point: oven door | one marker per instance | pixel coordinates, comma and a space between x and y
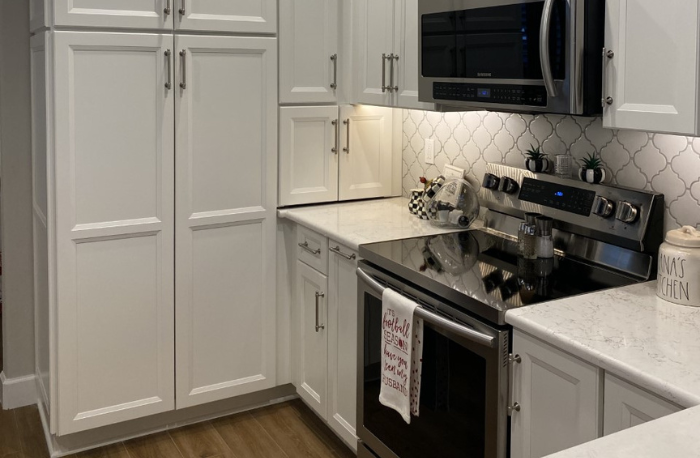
488, 53
464, 384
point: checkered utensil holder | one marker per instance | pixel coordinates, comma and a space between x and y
416, 201
433, 189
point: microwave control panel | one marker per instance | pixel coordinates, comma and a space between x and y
491, 93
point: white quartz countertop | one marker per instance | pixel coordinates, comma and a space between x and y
368, 221
633, 334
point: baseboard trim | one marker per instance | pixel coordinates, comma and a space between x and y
18, 392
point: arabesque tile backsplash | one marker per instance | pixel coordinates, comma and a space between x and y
663, 163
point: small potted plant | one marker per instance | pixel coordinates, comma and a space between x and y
536, 161
592, 170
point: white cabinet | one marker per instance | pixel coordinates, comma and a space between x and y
559, 397
309, 59
652, 74
311, 307
385, 47
627, 406
308, 155
342, 342
226, 106
329, 154
132, 14
240, 16
113, 159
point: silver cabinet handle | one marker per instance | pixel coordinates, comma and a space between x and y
337, 251
183, 78
305, 246
335, 130
384, 86
318, 297
182, 7
334, 84
167, 10
514, 408
606, 100
169, 60
346, 149
392, 59
544, 48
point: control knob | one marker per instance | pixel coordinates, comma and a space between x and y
491, 181
508, 185
603, 207
627, 212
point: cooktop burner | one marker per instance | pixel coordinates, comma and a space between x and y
481, 272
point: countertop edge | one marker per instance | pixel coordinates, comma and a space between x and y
309, 223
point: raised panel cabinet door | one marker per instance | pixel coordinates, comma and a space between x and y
366, 152
123, 14
308, 40
652, 75
342, 342
407, 65
308, 155
226, 199
627, 406
559, 400
312, 305
373, 44
114, 191
234, 16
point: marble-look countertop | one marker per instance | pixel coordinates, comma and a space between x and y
368, 221
631, 333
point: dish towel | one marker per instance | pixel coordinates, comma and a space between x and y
402, 355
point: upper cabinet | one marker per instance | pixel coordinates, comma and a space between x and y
309, 56
651, 66
240, 16
385, 48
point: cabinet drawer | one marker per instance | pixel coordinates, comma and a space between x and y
312, 249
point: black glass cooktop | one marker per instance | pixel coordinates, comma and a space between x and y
482, 273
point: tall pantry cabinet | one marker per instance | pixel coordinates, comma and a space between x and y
155, 195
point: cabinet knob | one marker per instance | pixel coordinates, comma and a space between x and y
514, 408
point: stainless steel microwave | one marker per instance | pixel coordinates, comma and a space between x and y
512, 55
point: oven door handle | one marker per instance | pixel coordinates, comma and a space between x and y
544, 48
443, 323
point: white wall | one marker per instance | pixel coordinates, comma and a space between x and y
16, 190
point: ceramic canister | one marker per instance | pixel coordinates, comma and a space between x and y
679, 267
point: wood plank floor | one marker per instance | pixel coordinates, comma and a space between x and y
288, 430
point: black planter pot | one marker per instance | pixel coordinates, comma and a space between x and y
537, 165
593, 176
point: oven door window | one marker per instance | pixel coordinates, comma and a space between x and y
453, 403
500, 42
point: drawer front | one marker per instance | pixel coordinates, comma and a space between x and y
312, 249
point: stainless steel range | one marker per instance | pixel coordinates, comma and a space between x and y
466, 281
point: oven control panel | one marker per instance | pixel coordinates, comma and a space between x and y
507, 94
558, 196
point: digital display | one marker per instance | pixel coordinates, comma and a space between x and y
484, 93
560, 197
559, 194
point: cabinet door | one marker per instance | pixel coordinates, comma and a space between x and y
373, 36
239, 16
114, 175
407, 66
309, 51
311, 305
365, 157
627, 406
653, 75
225, 216
129, 14
559, 399
308, 155
342, 342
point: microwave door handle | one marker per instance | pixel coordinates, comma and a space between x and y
544, 48
436, 320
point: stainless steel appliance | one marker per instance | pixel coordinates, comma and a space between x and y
512, 55
465, 282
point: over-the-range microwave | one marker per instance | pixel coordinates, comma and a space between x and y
512, 55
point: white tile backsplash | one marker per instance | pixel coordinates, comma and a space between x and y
663, 163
